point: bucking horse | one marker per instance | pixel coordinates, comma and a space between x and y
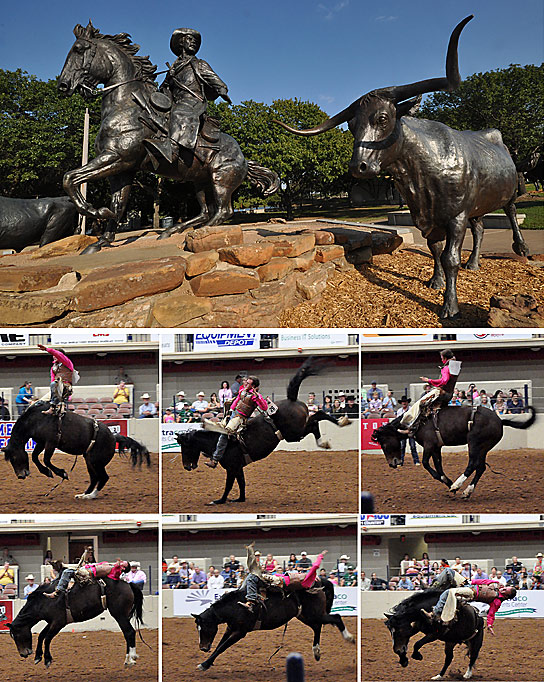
82, 602
262, 434
72, 433
313, 608
481, 429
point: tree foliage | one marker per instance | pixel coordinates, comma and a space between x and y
511, 100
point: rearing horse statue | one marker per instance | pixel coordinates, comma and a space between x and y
127, 120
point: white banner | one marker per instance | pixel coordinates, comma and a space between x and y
492, 337
190, 601
14, 338
169, 433
317, 339
225, 341
72, 338
168, 343
526, 604
394, 338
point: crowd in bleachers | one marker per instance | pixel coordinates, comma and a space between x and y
417, 574
376, 402
184, 573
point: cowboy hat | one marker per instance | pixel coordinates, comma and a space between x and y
145, 395
177, 37
405, 399
30, 577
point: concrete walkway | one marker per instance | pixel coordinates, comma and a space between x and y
495, 240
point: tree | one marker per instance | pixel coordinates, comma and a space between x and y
511, 100
305, 165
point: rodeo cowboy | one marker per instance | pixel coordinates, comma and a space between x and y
192, 83
243, 406
439, 395
63, 376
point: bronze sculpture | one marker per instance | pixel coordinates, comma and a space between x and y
35, 221
448, 178
133, 113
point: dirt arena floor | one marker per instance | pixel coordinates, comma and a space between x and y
288, 482
500, 658
247, 661
411, 489
128, 488
98, 656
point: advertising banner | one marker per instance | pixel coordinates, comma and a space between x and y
119, 427
526, 604
14, 339
493, 337
190, 601
169, 433
208, 343
5, 435
73, 338
316, 339
367, 429
6, 614
394, 338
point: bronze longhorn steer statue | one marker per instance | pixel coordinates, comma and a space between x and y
448, 178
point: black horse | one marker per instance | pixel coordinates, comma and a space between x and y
262, 435
406, 620
82, 602
454, 428
311, 608
73, 434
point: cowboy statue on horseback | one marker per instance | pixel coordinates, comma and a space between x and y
290, 581
63, 376
242, 407
191, 83
485, 590
439, 396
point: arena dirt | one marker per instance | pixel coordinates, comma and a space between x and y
288, 482
247, 661
411, 489
128, 489
97, 656
515, 653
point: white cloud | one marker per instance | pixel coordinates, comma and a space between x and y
326, 98
386, 18
329, 12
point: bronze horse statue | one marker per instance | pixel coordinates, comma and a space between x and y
128, 118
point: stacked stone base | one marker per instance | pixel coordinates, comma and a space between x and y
212, 277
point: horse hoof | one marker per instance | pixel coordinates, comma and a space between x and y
417, 656
434, 283
92, 248
214, 502
201, 666
48, 664
239, 499
64, 475
165, 235
37, 660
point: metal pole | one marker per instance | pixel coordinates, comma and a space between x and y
84, 161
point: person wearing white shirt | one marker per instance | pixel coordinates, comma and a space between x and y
216, 581
30, 587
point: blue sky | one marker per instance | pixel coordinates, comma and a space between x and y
326, 51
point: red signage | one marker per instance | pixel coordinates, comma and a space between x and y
367, 429
117, 426
6, 614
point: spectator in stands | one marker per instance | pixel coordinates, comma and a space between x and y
493, 573
258, 558
336, 407
463, 398
235, 387
48, 558
525, 583
121, 394
198, 579
184, 575
175, 563
327, 405
413, 567
426, 389
352, 409
389, 402
216, 581
214, 404
30, 586
312, 405
481, 574
377, 583
342, 400
538, 583
455, 400
322, 574
233, 563
333, 576
240, 576
404, 407
292, 561
24, 397
229, 577
304, 563
349, 578
466, 572
457, 564
7, 575
136, 576
4, 411
500, 577
365, 582
185, 416
7, 556
168, 417
172, 578
485, 402
200, 405
146, 409
405, 583
180, 400
373, 389
515, 404
538, 568
270, 564
225, 393
500, 405
515, 565
510, 577
122, 376
375, 402
435, 568
211, 569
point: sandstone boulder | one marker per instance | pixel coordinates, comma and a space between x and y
312, 283
275, 269
291, 245
32, 277
208, 238
324, 254
247, 255
224, 280
18, 309
385, 242
198, 263
520, 310
67, 246
176, 308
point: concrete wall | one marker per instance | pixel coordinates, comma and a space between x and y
340, 438
145, 431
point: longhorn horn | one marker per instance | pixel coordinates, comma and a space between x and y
345, 115
450, 82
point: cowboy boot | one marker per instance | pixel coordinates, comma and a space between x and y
52, 595
51, 410
212, 463
159, 150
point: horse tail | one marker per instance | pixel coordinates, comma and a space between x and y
138, 451
266, 180
520, 425
137, 610
311, 367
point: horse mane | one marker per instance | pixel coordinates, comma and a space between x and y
390, 427
227, 597
414, 602
145, 69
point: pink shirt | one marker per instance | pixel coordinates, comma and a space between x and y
444, 377
60, 357
256, 397
495, 604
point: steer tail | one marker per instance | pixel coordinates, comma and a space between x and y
138, 451
520, 425
311, 367
266, 180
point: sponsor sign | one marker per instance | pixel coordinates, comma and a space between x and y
394, 338
492, 337
168, 343
5, 435
73, 338
6, 614
526, 604
189, 601
315, 339
169, 433
225, 341
14, 339
119, 427
367, 429
375, 520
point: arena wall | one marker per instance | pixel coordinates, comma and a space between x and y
145, 431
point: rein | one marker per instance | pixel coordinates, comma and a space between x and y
280, 646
